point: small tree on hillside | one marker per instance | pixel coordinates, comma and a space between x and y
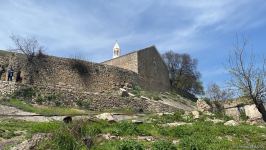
247, 77
215, 93
183, 72
31, 48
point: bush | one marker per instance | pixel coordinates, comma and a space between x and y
26, 93
83, 103
136, 90
130, 145
163, 145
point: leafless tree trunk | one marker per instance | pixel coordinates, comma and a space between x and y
247, 76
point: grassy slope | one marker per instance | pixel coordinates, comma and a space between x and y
201, 135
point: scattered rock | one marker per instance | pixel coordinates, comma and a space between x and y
130, 94
215, 120
144, 98
106, 116
261, 126
146, 138
124, 92
229, 137
252, 112
165, 113
195, 114
18, 133
176, 142
175, 124
208, 113
88, 142
203, 106
108, 136
137, 122
231, 123
31, 143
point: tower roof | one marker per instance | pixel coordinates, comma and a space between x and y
116, 46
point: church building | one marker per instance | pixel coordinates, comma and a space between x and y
147, 63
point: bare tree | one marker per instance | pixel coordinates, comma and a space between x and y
247, 77
215, 93
29, 46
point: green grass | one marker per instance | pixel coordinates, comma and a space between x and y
44, 110
10, 126
199, 135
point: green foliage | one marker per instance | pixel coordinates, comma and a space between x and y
199, 135
136, 90
184, 75
130, 145
26, 93
63, 139
243, 115
168, 118
83, 103
163, 145
127, 128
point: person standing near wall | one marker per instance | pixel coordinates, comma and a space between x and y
1, 71
10, 73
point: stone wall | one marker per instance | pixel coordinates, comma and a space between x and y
7, 88
81, 75
250, 111
129, 62
149, 65
152, 70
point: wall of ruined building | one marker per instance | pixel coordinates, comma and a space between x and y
250, 111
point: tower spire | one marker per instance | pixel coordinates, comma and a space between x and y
116, 50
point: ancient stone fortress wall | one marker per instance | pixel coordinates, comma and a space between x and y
148, 64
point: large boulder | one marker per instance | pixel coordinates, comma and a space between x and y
252, 112
195, 114
106, 116
203, 106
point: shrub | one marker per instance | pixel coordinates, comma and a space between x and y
83, 103
136, 90
163, 145
130, 145
40, 99
25, 93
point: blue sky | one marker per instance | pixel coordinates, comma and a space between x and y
204, 29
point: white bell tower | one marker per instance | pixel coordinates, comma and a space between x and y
116, 50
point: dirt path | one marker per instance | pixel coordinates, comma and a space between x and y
7, 112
